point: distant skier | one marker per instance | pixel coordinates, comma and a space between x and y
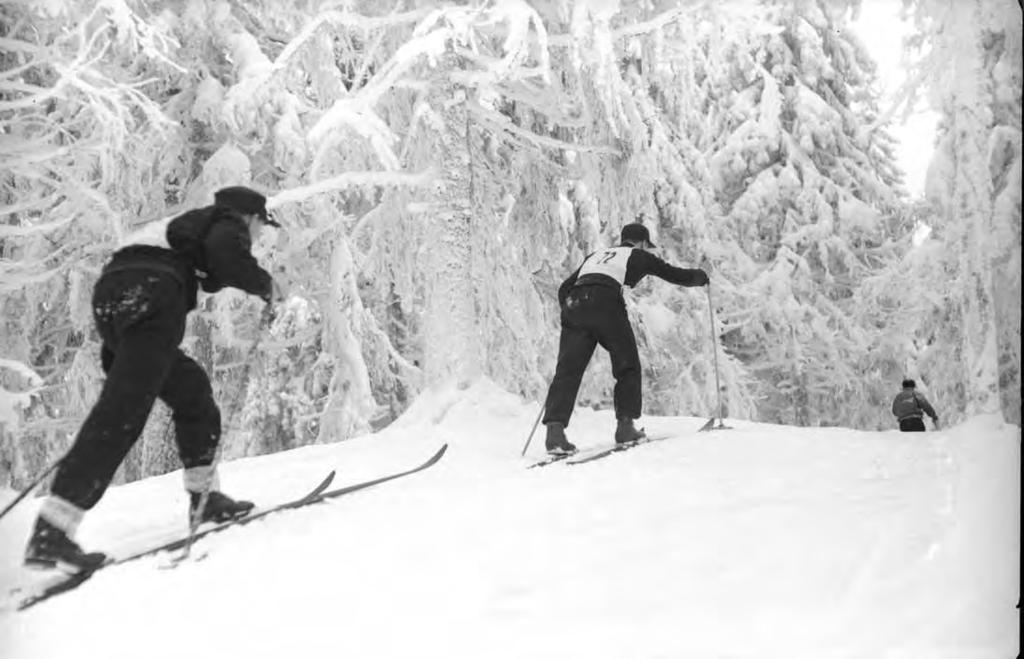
594, 313
909, 408
140, 304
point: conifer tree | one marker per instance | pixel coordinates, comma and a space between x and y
83, 143
755, 140
804, 192
439, 169
960, 307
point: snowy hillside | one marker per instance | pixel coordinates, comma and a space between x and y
761, 541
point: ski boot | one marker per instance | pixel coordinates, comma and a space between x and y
219, 507
626, 433
556, 442
49, 548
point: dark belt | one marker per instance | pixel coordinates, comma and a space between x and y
152, 266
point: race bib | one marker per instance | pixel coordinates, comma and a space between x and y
610, 262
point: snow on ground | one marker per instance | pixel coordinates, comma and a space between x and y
760, 541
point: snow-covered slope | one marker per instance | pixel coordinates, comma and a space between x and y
760, 541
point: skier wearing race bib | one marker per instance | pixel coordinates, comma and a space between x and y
140, 304
594, 313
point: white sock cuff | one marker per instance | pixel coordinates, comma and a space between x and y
63, 514
200, 479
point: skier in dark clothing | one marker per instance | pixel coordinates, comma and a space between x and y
140, 304
594, 313
909, 408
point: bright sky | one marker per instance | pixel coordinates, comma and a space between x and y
882, 31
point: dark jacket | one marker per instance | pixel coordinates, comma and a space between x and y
624, 265
210, 247
910, 404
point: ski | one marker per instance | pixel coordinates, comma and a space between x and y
562, 457
349, 489
318, 494
589, 454
550, 459
309, 498
604, 453
65, 582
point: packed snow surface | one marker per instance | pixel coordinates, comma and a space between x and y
758, 541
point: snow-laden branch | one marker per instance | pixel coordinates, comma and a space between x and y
22, 369
348, 20
357, 112
358, 116
905, 98
32, 101
656, 23
454, 27
501, 123
352, 180
432, 45
17, 45
541, 100
11, 402
659, 22
15, 231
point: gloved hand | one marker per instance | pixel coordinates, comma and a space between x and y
278, 294
273, 299
207, 282
268, 315
705, 267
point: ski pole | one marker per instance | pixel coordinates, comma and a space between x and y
32, 486
714, 346
266, 318
533, 430
710, 425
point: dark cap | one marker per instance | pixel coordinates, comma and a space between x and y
244, 200
909, 384
635, 233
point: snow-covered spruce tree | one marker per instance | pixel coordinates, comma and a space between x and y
227, 117
517, 194
322, 108
803, 193
581, 149
967, 331
406, 266
665, 60
86, 155
477, 241
267, 78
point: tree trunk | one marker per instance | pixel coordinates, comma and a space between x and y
972, 209
452, 347
351, 400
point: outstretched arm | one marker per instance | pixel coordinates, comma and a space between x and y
644, 263
230, 260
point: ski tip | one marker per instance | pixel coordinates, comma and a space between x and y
432, 460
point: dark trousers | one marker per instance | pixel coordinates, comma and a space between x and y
594, 315
912, 424
140, 315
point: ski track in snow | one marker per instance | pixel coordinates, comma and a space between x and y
760, 541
